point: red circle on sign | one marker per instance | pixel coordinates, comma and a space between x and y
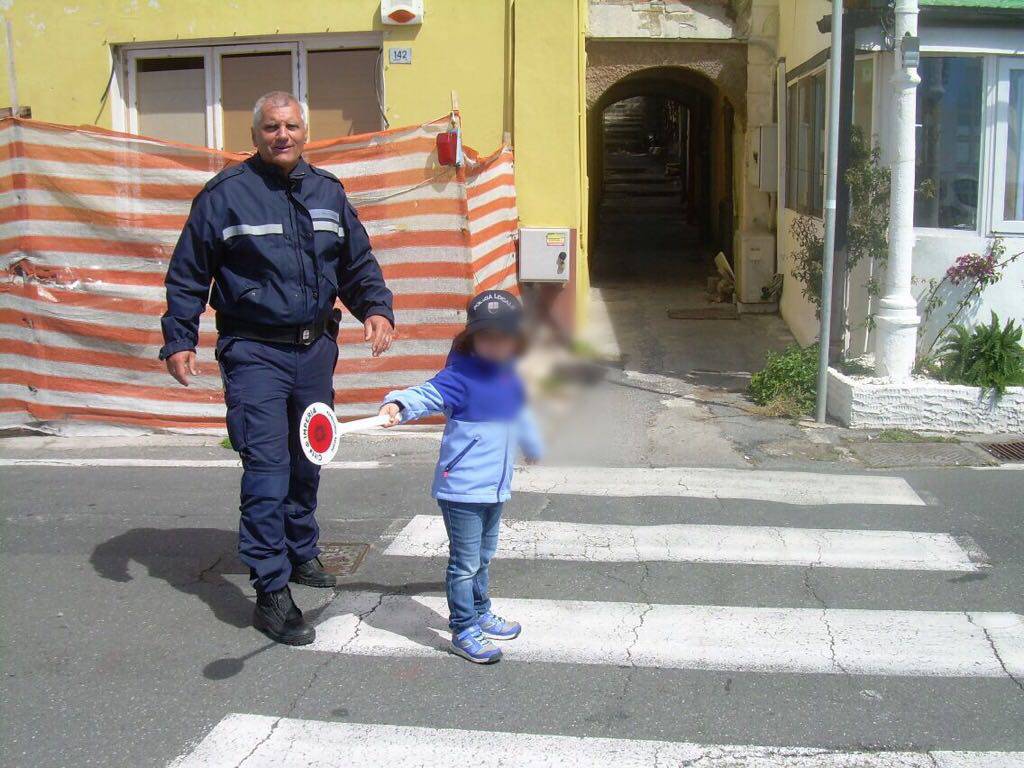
321, 433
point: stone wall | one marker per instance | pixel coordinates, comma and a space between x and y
724, 65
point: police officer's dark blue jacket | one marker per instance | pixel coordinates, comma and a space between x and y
278, 251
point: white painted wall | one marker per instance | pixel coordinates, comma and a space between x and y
935, 250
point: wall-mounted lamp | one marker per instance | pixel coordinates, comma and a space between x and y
402, 12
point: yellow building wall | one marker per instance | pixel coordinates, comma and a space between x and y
63, 51
799, 40
549, 132
63, 60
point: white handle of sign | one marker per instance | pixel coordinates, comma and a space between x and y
360, 424
319, 431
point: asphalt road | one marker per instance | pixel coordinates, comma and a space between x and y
127, 633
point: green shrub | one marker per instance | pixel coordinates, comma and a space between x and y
989, 356
788, 382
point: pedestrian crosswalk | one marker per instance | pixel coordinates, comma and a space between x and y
829, 641
801, 488
425, 536
580, 630
256, 741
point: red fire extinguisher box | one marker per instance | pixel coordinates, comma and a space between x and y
448, 148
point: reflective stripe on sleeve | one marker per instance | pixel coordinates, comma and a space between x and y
324, 213
327, 226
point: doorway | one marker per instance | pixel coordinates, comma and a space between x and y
661, 179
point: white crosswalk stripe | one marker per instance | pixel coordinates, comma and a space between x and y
257, 741
716, 483
425, 536
803, 640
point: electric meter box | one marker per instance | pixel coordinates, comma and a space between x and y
544, 254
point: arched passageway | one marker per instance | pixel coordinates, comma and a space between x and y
660, 170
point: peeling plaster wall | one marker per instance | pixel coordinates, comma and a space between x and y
666, 20
724, 64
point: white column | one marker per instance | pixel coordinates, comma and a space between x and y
897, 319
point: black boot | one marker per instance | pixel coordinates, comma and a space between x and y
312, 574
277, 617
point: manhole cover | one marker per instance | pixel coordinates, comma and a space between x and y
704, 313
1012, 452
875, 454
341, 559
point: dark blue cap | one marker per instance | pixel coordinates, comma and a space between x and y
495, 310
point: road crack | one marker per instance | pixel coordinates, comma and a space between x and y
995, 651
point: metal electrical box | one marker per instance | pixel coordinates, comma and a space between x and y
544, 254
755, 264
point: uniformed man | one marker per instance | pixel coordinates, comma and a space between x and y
279, 242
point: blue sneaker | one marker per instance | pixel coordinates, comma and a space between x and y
471, 644
497, 628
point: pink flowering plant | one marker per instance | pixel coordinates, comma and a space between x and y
974, 266
971, 273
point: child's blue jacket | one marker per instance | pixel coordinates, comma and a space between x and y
489, 422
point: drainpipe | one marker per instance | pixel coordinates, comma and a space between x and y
840, 278
831, 183
897, 319
510, 73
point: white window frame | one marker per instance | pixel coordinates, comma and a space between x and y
994, 46
131, 109
981, 218
1000, 223
125, 116
822, 71
219, 52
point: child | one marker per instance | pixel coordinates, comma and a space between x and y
488, 422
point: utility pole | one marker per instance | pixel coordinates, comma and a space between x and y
831, 182
897, 319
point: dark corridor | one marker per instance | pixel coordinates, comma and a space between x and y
661, 202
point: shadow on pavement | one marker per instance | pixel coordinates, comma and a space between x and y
189, 559
418, 623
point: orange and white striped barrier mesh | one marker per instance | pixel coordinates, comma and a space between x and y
88, 221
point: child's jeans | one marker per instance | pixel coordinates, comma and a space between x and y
473, 539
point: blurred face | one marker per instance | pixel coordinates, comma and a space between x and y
495, 346
280, 135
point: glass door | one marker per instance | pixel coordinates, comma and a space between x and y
1009, 172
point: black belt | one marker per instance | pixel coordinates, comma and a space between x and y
303, 335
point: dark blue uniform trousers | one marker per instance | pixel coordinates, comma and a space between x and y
267, 387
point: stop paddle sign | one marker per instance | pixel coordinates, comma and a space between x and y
319, 431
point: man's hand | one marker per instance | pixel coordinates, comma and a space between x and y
181, 365
393, 412
380, 333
